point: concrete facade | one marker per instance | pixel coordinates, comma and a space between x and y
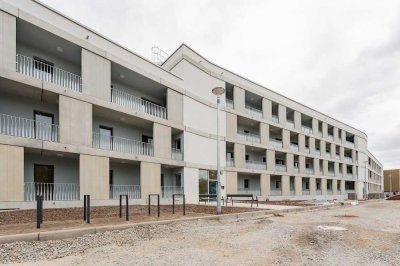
11, 173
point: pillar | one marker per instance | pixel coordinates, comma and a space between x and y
336, 134
174, 106
334, 186
289, 162
162, 141
11, 173
231, 182
316, 166
265, 183
313, 186
322, 148
302, 143
264, 133
231, 126
285, 138
315, 125
239, 151
312, 145
150, 179
285, 185
324, 129
325, 167
298, 183
342, 187
8, 41
94, 177
282, 114
267, 109
333, 151
324, 182
302, 164
341, 151
297, 120
270, 160
239, 99
336, 167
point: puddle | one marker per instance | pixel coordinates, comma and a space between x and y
332, 228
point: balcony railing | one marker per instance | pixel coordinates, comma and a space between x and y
317, 152
106, 142
275, 119
348, 159
28, 128
319, 133
51, 191
176, 154
168, 191
309, 171
331, 173
248, 137
307, 150
296, 169
258, 165
328, 154
230, 162
229, 103
330, 137
276, 192
275, 143
294, 147
318, 192
133, 191
348, 143
254, 112
306, 129
337, 156
254, 192
132, 102
290, 124
280, 168
46, 72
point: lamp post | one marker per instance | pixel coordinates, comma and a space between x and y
218, 91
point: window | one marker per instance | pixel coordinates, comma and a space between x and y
296, 164
43, 173
307, 185
177, 144
229, 155
178, 181
111, 177
247, 157
246, 131
246, 183
278, 184
162, 180
264, 160
318, 186
147, 139
328, 186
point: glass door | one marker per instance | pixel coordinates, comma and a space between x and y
44, 181
106, 138
44, 126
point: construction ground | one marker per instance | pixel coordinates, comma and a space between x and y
365, 234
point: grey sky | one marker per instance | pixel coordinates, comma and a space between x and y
339, 57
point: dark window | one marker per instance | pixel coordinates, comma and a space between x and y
44, 125
178, 181
147, 139
264, 159
307, 185
328, 186
43, 173
246, 131
247, 157
162, 180
246, 183
111, 177
318, 185
278, 184
177, 144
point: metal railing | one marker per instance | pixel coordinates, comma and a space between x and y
255, 192
230, 162
51, 191
350, 143
317, 152
132, 102
106, 142
328, 154
28, 128
331, 173
296, 169
248, 137
306, 192
46, 72
276, 192
329, 192
229, 103
348, 175
309, 171
275, 119
275, 143
306, 129
290, 124
133, 191
294, 147
254, 112
348, 159
280, 168
258, 165
176, 154
168, 191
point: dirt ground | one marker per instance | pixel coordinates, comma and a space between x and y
366, 234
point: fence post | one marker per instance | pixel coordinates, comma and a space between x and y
184, 205
127, 208
173, 204
39, 211
158, 204
149, 204
120, 206
86, 208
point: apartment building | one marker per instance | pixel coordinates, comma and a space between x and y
392, 180
80, 114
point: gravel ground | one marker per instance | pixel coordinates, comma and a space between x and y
367, 234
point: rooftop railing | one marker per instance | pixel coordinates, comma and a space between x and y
28, 128
254, 112
176, 154
132, 102
106, 142
46, 72
133, 191
51, 191
248, 137
258, 165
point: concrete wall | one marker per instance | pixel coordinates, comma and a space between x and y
8, 37
191, 184
150, 179
231, 126
96, 75
254, 181
239, 99
202, 150
239, 151
125, 173
231, 182
11, 173
94, 176
174, 106
162, 141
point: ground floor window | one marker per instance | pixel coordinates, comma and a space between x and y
207, 182
246, 183
278, 184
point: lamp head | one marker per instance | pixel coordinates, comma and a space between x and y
218, 91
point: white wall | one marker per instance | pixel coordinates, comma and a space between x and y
191, 187
202, 150
254, 181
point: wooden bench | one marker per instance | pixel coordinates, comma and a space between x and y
242, 197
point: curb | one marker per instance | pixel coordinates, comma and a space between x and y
72, 233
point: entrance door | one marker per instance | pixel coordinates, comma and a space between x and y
212, 187
44, 126
44, 181
106, 134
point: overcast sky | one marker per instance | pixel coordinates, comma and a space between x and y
340, 57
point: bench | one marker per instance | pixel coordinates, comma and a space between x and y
208, 197
242, 197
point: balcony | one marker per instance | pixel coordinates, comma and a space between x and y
351, 144
229, 103
337, 157
133, 191
319, 133
331, 173
254, 112
328, 154
46, 72
306, 192
106, 142
348, 159
296, 169
176, 154
290, 124
318, 192
309, 171
248, 137
276, 192
258, 165
307, 150
318, 152
168, 191
280, 168
135, 103
230, 162
275, 143
294, 147
348, 175
254, 192
307, 130
51, 191
330, 137
275, 119
27, 128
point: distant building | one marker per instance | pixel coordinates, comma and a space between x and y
392, 180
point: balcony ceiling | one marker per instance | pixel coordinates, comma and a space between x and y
121, 117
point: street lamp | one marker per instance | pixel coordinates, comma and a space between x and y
218, 91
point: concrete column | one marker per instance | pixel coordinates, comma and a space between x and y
94, 177
342, 187
336, 169
239, 151
333, 151
325, 167
297, 120
313, 186
354, 156
336, 134
191, 184
265, 183
354, 171
343, 136
341, 151
302, 143
324, 129
302, 164
8, 41
316, 166
231, 182
324, 182
174, 106
289, 162
162, 141
150, 179
96, 75
75, 122
11, 172
322, 148
264, 133
344, 169
231, 126
285, 185
286, 138
315, 125
282, 114
334, 187
267, 109
270, 160
312, 145
356, 141
298, 183
239, 99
